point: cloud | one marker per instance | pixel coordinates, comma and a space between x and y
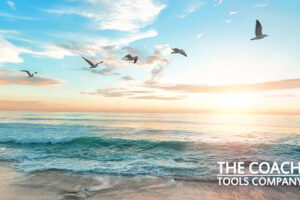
159, 97
218, 2
196, 5
155, 73
233, 13
127, 78
9, 32
108, 71
130, 15
154, 61
12, 77
228, 21
157, 61
109, 49
11, 4
261, 5
116, 92
199, 36
53, 51
20, 103
163, 49
16, 17
237, 88
131, 94
11, 53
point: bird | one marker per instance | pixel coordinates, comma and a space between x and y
130, 57
258, 32
29, 74
181, 51
92, 65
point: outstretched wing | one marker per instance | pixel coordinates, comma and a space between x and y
99, 62
128, 56
26, 72
135, 59
175, 50
258, 28
90, 63
183, 53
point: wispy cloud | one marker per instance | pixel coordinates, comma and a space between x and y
11, 4
195, 5
127, 78
130, 15
199, 36
165, 98
9, 32
106, 47
6, 15
11, 53
116, 92
108, 71
12, 77
20, 103
233, 13
218, 2
228, 21
238, 88
132, 94
262, 4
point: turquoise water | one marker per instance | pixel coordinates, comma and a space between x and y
144, 144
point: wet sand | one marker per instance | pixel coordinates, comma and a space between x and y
63, 185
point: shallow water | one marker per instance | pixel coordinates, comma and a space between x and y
163, 145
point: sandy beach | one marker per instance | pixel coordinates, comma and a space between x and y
63, 185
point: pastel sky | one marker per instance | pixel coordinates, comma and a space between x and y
224, 70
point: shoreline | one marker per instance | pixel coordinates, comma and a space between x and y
65, 185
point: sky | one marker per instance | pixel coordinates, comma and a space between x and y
223, 72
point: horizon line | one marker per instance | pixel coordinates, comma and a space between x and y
158, 112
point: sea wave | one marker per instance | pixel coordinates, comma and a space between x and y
34, 140
96, 141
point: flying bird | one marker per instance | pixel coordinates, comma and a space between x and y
258, 32
92, 65
29, 74
181, 51
130, 57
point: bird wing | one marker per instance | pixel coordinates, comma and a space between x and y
90, 63
258, 28
99, 62
127, 56
26, 72
183, 53
135, 59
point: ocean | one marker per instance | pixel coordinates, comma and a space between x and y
170, 146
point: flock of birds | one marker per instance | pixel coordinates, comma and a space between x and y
258, 35
129, 57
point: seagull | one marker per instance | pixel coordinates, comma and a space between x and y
92, 65
258, 32
29, 74
181, 51
130, 57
